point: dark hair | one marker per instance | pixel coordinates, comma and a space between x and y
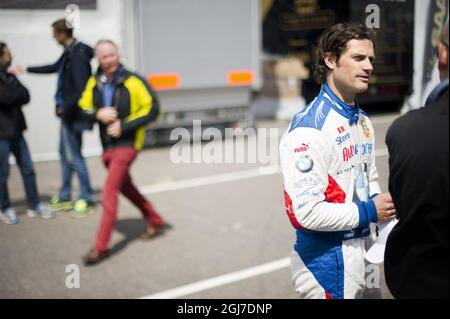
334, 41
60, 26
2, 48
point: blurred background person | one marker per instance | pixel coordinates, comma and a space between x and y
74, 69
417, 249
123, 103
13, 95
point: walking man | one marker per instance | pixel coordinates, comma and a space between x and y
122, 103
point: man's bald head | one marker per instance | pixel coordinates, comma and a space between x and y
108, 57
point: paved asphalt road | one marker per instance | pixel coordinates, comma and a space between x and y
230, 237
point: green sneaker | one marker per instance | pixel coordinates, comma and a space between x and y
82, 208
58, 205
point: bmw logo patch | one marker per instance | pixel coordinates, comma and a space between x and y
305, 164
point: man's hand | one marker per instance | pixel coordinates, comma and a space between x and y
59, 111
107, 115
385, 207
114, 129
17, 70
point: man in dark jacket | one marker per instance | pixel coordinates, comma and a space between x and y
74, 69
417, 249
12, 124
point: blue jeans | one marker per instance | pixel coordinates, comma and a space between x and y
72, 160
19, 148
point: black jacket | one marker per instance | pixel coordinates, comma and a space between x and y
76, 72
12, 96
136, 102
417, 250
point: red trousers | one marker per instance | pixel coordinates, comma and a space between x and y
118, 161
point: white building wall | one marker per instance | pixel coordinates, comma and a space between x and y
28, 34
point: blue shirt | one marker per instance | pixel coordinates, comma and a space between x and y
108, 89
108, 93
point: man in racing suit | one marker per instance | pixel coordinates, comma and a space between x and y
328, 163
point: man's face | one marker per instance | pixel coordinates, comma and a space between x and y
6, 58
108, 58
350, 74
60, 37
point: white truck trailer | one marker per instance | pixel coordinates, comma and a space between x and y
203, 59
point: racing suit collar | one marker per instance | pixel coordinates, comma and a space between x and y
351, 113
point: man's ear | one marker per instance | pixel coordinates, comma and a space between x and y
330, 61
442, 57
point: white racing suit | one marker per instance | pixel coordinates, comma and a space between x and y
328, 164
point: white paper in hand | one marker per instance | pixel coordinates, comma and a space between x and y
375, 254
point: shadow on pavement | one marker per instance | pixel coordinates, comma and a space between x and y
22, 204
132, 229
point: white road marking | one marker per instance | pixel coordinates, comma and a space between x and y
220, 178
231, 277
209, 180
221, 280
